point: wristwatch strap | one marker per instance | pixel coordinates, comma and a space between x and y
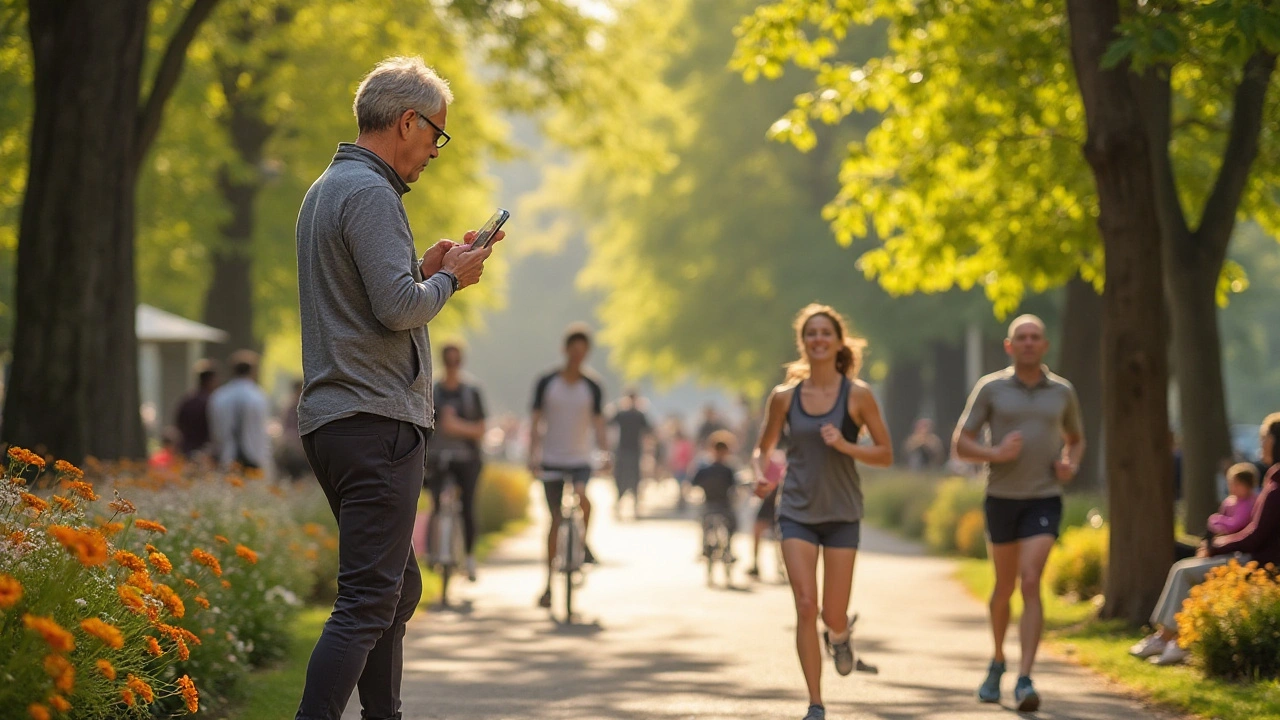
453, 279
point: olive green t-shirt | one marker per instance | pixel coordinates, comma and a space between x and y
1041, 412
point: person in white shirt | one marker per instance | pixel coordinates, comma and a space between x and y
238, 413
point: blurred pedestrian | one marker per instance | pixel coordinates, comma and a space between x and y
192, 417
238, 413
633, 429
454, 449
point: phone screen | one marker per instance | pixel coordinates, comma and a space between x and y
491, 228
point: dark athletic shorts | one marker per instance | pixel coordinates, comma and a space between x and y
1010, 520
554, 488
827, 534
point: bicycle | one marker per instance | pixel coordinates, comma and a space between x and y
571, 549
446, 540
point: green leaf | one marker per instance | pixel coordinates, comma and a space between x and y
1119, 51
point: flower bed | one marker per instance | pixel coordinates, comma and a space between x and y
139, 593
1231, 623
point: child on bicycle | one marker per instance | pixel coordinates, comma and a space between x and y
719, 485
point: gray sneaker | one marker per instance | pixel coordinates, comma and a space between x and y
842, 652
1026, 696
816, 712
989, 690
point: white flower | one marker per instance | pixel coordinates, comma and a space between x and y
82, 602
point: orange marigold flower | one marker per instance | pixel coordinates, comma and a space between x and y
26, 457
126, 559
222, 539
126, 695
153, 647
161, 562
131, 598
62, 671
64, 503
202, 602
150, 526
106, 668
69, 470
89, 547
59, 703
150, 548
83, 490
17, 536
246, 554
34, 503
110, 528
122, 506
38, 711
189, 693
184, 653
226, 584
313, 529
141, 580
107, 633
191, 583
53, 633
170, 599
235, 481
195, 514
208, 560
10, 591
141, 688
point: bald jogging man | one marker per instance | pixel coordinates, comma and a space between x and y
1037, 440
366, 412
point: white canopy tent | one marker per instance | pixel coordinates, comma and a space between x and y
168, 348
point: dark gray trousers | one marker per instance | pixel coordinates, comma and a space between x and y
370, 468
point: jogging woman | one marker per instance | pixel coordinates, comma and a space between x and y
824, 408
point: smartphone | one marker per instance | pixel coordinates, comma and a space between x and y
491, 228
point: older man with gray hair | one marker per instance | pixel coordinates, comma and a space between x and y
365, 410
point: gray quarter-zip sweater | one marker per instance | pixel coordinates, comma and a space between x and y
365, 306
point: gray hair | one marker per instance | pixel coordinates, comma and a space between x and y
395, 85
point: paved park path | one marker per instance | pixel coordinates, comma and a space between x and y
654, 642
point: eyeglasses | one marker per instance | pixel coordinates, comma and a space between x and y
442, 138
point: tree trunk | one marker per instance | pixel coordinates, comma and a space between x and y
1134, 348
229, 301
1197, 364
903, 392
74, 381
1081, 363
949, 391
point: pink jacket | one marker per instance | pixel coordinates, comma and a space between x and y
1233, 516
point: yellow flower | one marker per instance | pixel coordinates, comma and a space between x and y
202, 602
107, 633
150, 526
189, 693
34, 503
161, 562
246, 554
38, 711
191, 583
126, 559
25, 457
184, 653
131, 598
110, 528
141, 688
208, 560
63, 503
10, 591
141, 580
106, 668
53, 633
153, 647
62, 672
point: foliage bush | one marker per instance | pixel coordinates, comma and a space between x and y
953, 499
502, 496
1078, 565
116, 595
971, 534
897, 501
1231, 622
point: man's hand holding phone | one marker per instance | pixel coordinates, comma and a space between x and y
467, 263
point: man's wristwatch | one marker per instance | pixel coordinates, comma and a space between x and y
453, 279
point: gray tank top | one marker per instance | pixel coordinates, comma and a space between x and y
822, 484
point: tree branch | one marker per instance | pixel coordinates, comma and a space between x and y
1219, 216
167, 75
1155, 94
